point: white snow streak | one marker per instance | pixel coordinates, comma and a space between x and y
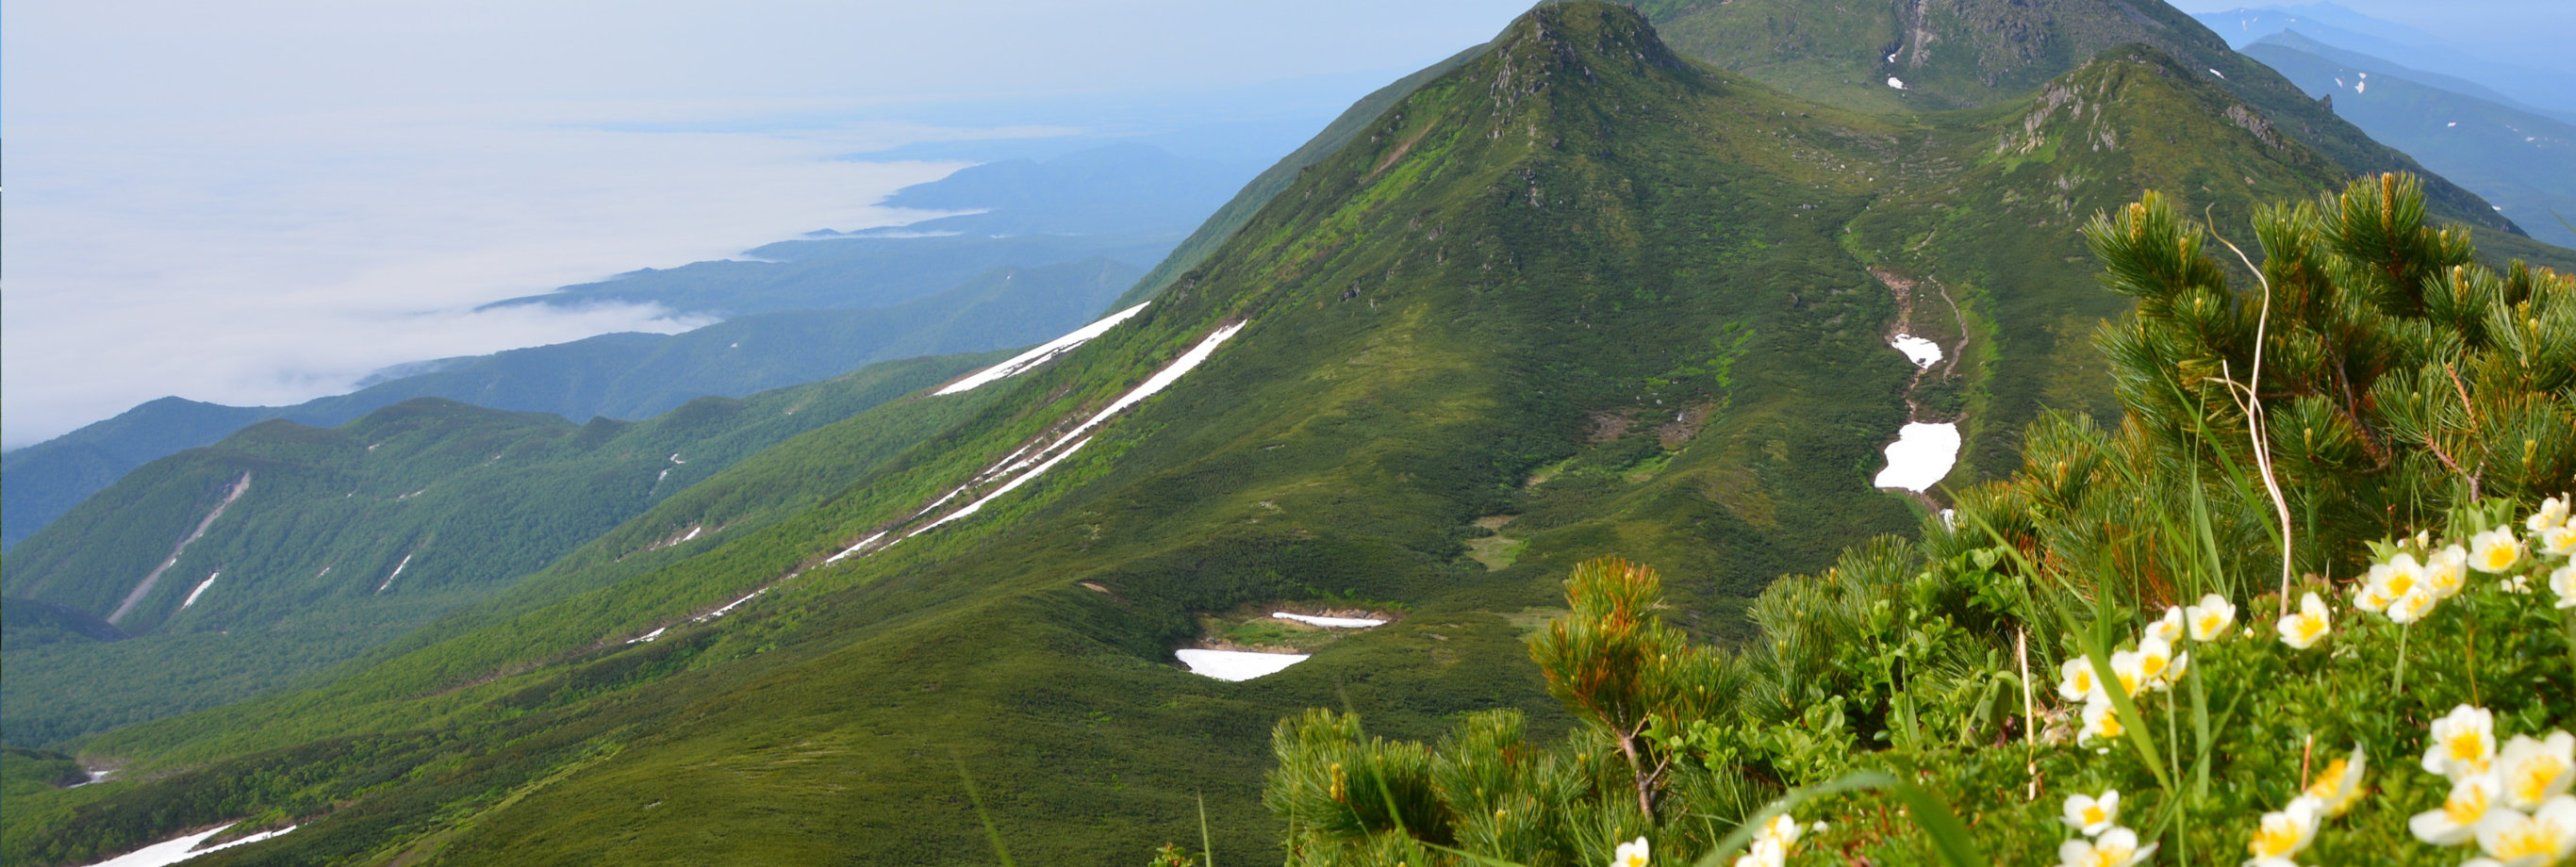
1334, 622
1045, 352
1014, 483
1895, 82
1920, 456
1236, 664
648, 636
398, 567
175, 851
729, 606
200, 591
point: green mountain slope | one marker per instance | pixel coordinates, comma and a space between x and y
2523, 161
1574, 295
287, 548
1964, 53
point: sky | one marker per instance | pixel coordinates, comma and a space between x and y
261, 202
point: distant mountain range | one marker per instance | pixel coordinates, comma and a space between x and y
2522, 160
2460, 69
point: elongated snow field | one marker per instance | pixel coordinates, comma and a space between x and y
1236, 664
1045, 352
1920, 456
1331, 622
177, 850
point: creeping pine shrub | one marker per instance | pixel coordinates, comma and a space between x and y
2310, 603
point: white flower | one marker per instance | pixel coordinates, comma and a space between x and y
2495, 550
1785, 829
2209, 619
2463, 743
2092, 815
2130, 667
2558, 541
2563, 580
2155, 662
2284, 834
2338, 784
2101, 720
2168, 628
2388, 581
2412, 606
2530, 772
2117, 847
2457, 821
2552, 513
2075, 679
2303, 628
1631, 854
2511, 839
1766, 852
2174, 670
2447, 571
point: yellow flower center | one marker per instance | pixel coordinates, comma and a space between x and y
2466, 806
2209, 624
2110, 856
2275, 839
2328, 781
2531, 780
2310, 626
2399, 582
2466, 746
2524, 839
2093, 814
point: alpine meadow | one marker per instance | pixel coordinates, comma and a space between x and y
1495, 481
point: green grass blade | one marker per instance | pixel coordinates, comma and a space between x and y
991, 834
1950, 838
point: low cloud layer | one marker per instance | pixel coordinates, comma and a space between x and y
285, 257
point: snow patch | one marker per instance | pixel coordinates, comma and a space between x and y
1895, 82
1924, 353
648, 636
1333, 622
183, 848
845, 552
1045, 352
1236, 664
1920, 456
2360, 86
666, 473
1014, 483
729, 606
398, 567
2218, 73
200, 591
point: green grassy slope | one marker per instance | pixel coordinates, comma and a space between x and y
301, 571
1576, 295
1966, 53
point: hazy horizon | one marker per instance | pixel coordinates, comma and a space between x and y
263, 203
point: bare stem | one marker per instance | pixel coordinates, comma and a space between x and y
2254, 423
